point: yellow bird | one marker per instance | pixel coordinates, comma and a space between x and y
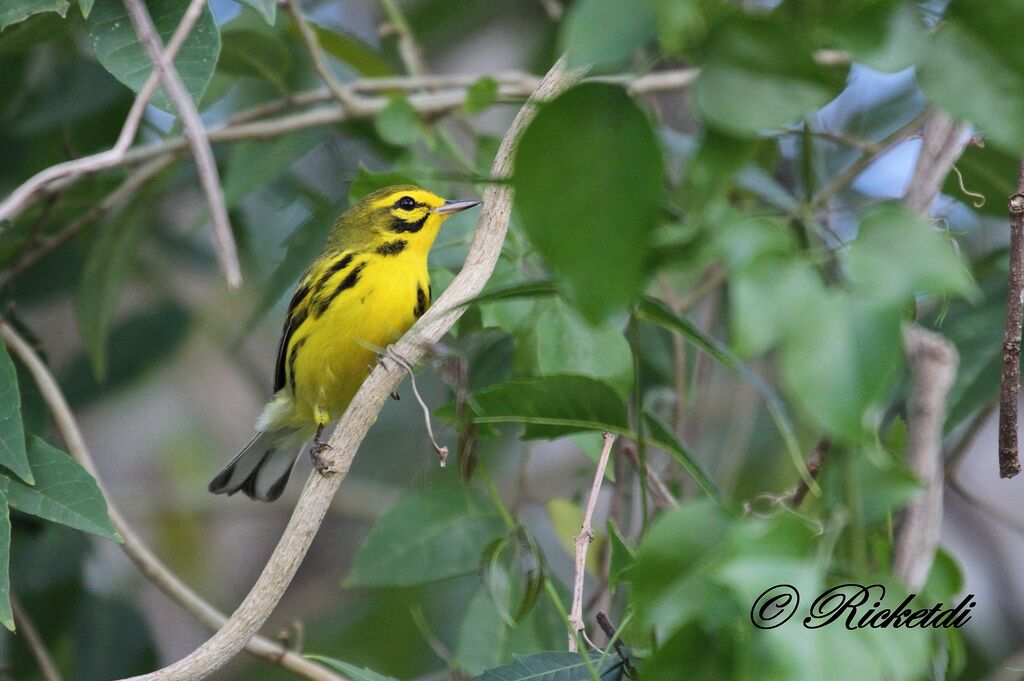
364, 291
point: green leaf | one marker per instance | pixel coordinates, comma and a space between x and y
266, 8
64, 492
353, 672
839, 369
897, 255
556, 667
6, 614
553, 406
430, 534
85, 6
106, 270
398, 123
595, 229
256, 163
481, 95
558, 341
13, 455
254, 53
513, 572
351, 51
517, 291
662, 437
887, 35
623, 555
977, 333
119, 51
683, 23
759, 61
600, 33
656, 312
14, 11
974, 68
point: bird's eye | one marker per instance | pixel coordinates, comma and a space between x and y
406, 203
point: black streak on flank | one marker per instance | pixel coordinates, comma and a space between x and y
392, 247
320, 306
291, 361
399, 225
339, 265
421, 303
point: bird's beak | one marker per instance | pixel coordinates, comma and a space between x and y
450, 207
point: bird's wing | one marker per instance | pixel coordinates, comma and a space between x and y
292, 321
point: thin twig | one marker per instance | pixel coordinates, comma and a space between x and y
21, 197
661, 496
26, 629
583, 540
1009, 380
933, 363
362, 412
338, 91
206, 165
408, 50
442, 452
133, 546
814, 463
609, 630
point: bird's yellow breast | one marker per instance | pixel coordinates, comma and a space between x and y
348, 322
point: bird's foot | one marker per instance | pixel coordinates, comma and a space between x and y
316, 454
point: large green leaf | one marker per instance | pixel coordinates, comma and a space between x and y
352, 52
974, 68
353, 672
13, 455
887, 35
589, 199
120, 52
14, 11
255, 53
107, 267
757, 75
683, 23
266, 8
64, 492
486, 640
598, 32
433, 533
558, 341
256, 163
557, 667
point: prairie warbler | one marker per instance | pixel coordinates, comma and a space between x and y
364, 291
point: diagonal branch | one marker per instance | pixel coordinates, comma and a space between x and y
140, 554
341, 93
223, 239
20, 198
362, 412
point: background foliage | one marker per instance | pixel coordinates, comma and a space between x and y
716, 272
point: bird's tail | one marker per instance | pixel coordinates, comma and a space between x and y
261, 469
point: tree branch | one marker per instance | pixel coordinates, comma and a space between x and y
583, 540
1009, 380
140, 554
21, 197
338, 91
362, 411
206, 165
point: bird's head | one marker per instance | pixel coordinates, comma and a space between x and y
402, 213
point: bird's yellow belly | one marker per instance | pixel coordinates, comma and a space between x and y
341, 348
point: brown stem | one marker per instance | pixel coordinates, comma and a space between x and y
1009, 456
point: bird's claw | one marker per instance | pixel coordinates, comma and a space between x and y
319, 463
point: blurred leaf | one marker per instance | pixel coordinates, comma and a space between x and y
887, 484
259, 54
256, 163
740, 239
658, 313
13, 11
481, 95
107, 266
682, 23
973, 68
840, 367
759, 60
13, 455
887, 35
352, 51
119, 51
556, 667
662, 437
351, 671
64, 492
513, 573
599, 33
622, 555
111, 640
398, 123
553, 406
558, 341
430, 534
521, 290
896, 255
611, 204
368, 181
36, 29
6, 615
977, 333
266, 8
946, 579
